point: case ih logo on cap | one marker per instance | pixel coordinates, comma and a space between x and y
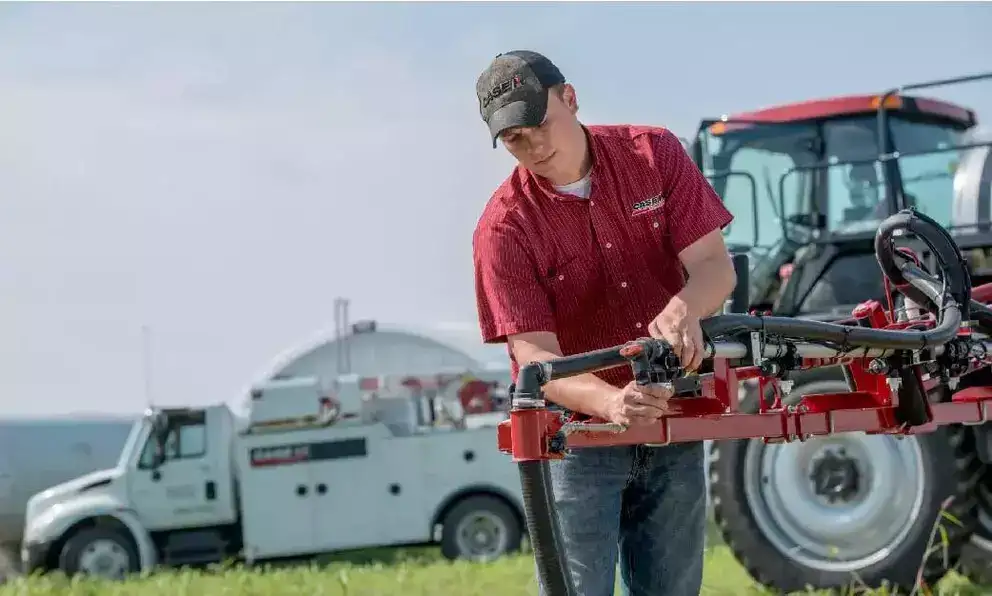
647, 205
500, 89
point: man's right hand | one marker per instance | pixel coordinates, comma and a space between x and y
635, 404
584, 394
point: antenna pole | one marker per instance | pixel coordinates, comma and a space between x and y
337, 334
347, 335
146, 363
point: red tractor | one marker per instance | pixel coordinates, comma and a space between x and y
809, 185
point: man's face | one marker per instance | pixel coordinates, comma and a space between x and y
552, 147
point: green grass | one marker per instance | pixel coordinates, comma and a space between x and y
382, 572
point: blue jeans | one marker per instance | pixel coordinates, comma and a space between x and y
645, 506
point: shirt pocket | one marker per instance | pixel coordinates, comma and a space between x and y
649, 233
574, 286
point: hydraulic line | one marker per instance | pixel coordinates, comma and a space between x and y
951, 299
542, 528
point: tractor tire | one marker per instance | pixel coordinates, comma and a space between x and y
976, 556
846, 510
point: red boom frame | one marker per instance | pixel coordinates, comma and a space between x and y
539, 433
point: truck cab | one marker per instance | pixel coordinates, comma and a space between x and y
174, 475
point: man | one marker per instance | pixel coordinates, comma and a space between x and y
582, 247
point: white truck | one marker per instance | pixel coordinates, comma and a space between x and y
312, 471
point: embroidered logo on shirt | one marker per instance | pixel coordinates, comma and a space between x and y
648, 205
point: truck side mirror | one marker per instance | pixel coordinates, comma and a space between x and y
159, 457
160, 424
160, 434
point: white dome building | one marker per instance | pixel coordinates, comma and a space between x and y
369, 350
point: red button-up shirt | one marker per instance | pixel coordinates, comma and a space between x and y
594, 271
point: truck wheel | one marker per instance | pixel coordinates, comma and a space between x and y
846, 510
976, 556
480, 528
103, 552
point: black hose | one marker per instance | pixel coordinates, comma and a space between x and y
951, 299
556, 529
542, 528
844, 335
949, 258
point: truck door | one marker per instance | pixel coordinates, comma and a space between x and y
190, 485
278, 500
350, 494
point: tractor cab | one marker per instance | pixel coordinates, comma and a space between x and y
809, 183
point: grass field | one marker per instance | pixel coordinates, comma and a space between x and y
392, 572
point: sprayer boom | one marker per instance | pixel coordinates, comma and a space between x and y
904, 371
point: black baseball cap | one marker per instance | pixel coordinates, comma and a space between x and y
513, 90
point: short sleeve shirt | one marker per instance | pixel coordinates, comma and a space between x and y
595, 271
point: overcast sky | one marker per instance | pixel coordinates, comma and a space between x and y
221, 172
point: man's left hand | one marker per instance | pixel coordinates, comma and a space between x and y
680, 328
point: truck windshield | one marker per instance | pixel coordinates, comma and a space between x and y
132, 443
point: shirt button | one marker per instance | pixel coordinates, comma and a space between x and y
609, 245
561, 277
638, 325
656, 224
591, 203
623, 284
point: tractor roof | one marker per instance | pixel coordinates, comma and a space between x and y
851, 105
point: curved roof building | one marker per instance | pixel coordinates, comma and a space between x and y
370, 350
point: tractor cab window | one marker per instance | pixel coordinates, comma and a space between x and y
185, 437
928, 178
856, 193
759, 172
856, 200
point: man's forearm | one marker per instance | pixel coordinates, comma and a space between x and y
709, 285
585, 393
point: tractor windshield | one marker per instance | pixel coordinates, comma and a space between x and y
761, 173
789, 184
748, 168
855, 193
803, 179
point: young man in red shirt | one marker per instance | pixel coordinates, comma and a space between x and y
582, 247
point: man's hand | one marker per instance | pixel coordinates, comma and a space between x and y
711, 280
635, 405
677, 325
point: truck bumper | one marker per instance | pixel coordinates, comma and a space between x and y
33, 556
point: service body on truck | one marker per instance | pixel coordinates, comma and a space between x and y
308, 475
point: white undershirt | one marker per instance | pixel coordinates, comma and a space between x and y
579, 188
